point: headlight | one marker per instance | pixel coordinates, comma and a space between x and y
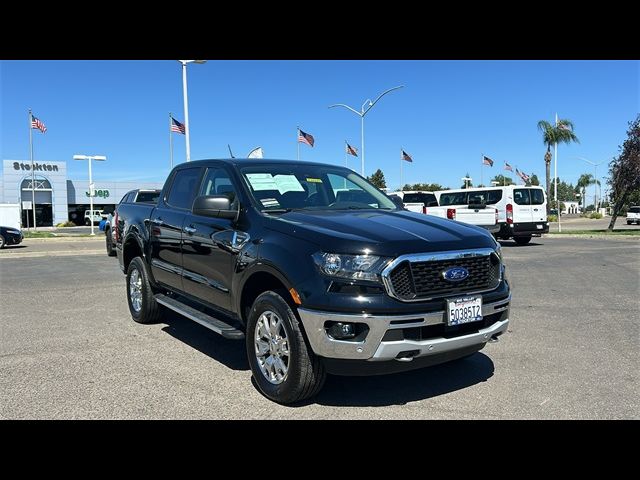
14, 232
354, 267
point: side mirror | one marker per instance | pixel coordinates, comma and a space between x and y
218, 206
397, 201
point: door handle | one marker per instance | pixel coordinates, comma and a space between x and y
157, 221
190, 230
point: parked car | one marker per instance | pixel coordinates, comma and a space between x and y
313, 276
10, 236
134, 196
633, 215
474, 213
96, 217
522, 211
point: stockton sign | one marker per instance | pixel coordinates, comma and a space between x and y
42, 167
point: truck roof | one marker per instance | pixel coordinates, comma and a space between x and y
248, 162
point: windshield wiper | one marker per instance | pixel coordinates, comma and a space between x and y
276, 210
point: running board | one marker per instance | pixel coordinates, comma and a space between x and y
212, 323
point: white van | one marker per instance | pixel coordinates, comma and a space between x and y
522, 211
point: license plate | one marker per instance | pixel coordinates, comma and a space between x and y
539, 227
464, 310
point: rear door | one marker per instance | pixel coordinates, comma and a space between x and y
522, 212
166, 227
538, 205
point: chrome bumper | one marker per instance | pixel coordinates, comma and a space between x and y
372, 348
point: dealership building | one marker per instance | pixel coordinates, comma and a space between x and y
58, 199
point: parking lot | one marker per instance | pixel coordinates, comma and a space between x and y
70, 349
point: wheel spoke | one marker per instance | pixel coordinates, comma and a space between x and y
262, 347
272, 347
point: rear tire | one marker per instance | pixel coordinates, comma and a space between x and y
1, 241
522, 240
142, 305
272, 319
110, 250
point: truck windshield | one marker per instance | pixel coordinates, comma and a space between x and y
278, 187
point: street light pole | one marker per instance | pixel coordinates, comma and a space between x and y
100, 158
186, 103
362, 114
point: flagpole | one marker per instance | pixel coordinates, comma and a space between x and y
481, 169
401, 184
345, 163
33, 177
170, 144
298, 142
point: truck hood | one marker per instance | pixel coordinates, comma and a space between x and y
387, 233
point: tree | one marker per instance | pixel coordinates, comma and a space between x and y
566, 191
378, 179
423, 187
502, 180
624, 171
562, 132
584, 181
533, 180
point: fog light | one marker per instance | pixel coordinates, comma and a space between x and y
340, 330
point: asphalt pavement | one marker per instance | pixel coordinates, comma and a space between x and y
70, 350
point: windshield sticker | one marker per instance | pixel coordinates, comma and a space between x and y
314, 180
269, 202
261, 181
288, 183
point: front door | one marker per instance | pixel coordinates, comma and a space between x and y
210, 245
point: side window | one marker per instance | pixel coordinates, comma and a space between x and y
184, 188
537, 197
123, 199
494, 196
131, 197
217, 181
521, 196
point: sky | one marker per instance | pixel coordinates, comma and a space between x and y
447, 115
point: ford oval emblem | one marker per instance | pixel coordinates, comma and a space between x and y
455, 274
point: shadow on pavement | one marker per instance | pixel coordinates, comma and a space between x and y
402, 388
511, 243
230, 353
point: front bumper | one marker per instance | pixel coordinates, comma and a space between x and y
373, 348
13, 239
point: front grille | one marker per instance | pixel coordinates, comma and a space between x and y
423, 279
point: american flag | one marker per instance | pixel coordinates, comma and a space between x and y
563, 126
36, 123
487, 161
352, 150
305, 138
176, 126
508, 167
522, 175
406, 156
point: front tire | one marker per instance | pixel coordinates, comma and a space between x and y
1, 242
522, 240
110, 250
284, 367
142, 305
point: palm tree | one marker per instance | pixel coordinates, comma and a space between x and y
584, 181
562, 132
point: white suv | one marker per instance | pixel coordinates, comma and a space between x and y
96, 217
633, 215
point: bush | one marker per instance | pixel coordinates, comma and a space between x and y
595, 215
552, 218
68, 223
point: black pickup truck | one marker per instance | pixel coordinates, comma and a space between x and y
316, 269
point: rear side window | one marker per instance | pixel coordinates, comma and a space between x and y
129, 197
148, 197
493, 196
184, 188
454, 198
428, 199
521, 196
634, 210
537, 197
